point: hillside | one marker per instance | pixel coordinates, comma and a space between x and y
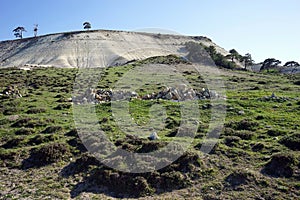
100, 48
114, 114
42, 155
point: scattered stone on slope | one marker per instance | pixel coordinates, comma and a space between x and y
179, 93
11, 91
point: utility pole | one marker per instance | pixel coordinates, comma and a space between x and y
35, 29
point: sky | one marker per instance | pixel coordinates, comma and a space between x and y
263, 28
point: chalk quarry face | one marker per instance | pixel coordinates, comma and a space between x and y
93, 49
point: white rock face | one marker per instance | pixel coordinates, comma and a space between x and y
86, 49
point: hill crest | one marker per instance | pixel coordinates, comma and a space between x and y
96, 48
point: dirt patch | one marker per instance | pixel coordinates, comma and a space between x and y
22, 122
257, 147
244, 124
280, 165
150, 146
232, 141
239, 177
45, 155
36, 110
52, 129
178, 175
25, 131
291, 141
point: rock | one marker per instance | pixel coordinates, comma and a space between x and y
273, 95
241, 112
153, 136
12, 91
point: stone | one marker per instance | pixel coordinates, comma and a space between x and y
241, 112
153, 136
273, 95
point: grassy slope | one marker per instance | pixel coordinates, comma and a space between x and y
235, 170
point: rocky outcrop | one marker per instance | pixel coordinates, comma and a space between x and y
179, 93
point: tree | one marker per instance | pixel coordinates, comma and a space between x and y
247, 59
211, 50
291, 64
35, 29
270, 63
87, 25
234, 55
18, 32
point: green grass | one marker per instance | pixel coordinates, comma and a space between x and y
43, 116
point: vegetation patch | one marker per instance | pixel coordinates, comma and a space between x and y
38, 133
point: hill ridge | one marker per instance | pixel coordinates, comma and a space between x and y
95, 48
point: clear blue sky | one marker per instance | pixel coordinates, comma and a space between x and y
264, 28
